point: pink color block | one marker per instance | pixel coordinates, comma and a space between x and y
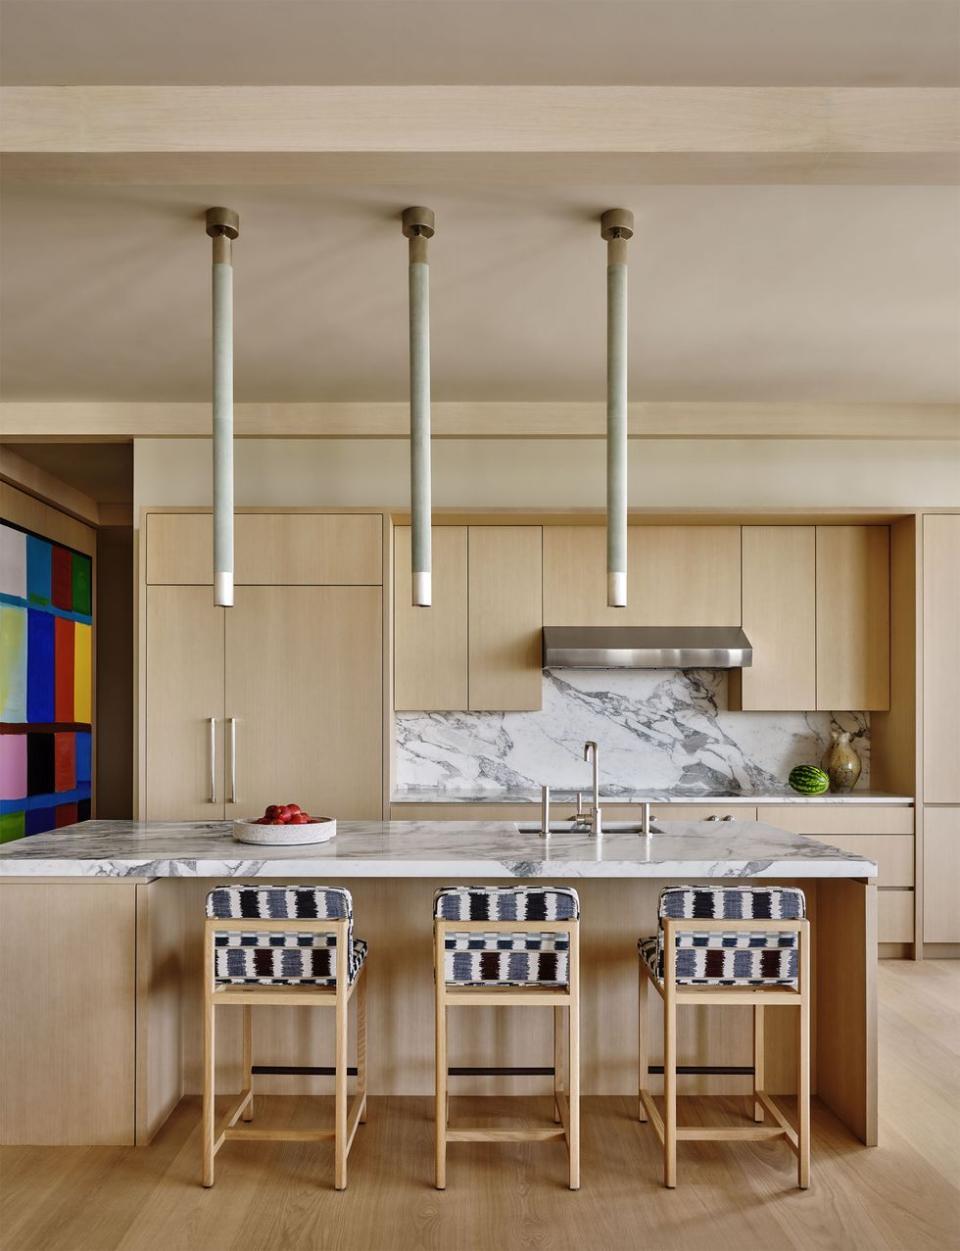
13, 766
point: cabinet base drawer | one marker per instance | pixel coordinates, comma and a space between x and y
895, 916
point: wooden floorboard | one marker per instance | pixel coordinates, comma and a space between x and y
904, 1194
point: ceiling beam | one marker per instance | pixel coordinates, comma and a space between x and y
30, 421
425, 119
45, 486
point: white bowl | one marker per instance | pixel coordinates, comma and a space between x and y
285, 835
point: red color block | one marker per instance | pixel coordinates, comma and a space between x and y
66, 815
62, 578
65, 761
63, 678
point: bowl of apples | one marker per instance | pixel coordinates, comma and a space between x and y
285, 825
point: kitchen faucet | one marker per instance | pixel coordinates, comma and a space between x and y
592, 752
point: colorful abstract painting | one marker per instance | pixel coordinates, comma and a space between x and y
46, 684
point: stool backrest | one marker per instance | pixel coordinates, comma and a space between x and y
531, 905
280, 903
732, 903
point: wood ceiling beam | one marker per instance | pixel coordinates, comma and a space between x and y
426, 119
28, 421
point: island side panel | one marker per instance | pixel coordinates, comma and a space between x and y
67, 1013
846, 1020
159, 1017
394, 916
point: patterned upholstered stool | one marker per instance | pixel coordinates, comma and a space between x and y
728, 945
290, 945
513, 946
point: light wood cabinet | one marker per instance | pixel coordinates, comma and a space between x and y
853, 617
505, 618
779, 619
678, 575
941, 658
941, 875
303, 691
184, 696
271, 549
430, 644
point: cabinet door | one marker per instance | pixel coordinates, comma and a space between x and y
184, 692
180, 549
941, 658
309, 549
853, 617
678, 575
941, 875
304, 699
780, 620
430, 644
505, 618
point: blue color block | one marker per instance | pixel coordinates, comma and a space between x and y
40, 653
83, 758
39, 820
39, 570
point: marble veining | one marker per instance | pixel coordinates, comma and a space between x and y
461, 851
658, 730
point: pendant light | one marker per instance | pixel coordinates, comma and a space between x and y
418, 226
223, 226
616, 226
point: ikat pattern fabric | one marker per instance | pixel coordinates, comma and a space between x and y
534, 956
712, 957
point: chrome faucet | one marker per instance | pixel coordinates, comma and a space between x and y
592, 752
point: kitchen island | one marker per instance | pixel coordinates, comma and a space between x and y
100, 931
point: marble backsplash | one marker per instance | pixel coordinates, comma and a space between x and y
658, 730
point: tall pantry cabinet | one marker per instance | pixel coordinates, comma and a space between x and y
277, 699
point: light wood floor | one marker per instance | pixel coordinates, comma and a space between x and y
904, 1194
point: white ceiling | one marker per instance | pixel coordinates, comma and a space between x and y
799, 293
719, 42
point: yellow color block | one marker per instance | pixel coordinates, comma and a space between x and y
82, 672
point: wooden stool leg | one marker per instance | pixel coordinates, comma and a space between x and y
340, 1082
573, 1060
247, 1114
440, 1061
759, 1077
557, 1061
362, 1043
642, 1058
803, 1083
669, 1092
209, 1062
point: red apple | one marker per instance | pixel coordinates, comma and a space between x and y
272, 811
299, 818
291, 809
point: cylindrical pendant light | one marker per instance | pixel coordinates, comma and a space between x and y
616, 226
418, 226
223, 226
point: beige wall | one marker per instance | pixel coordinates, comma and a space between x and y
552, 473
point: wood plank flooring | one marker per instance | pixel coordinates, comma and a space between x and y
904, 1194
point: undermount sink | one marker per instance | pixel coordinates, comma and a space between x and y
566, 827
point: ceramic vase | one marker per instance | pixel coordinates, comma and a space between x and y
841, 763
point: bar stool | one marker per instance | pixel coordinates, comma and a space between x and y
513, 946
746, 945
290, 945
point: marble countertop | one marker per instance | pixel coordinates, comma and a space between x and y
461, 851
428, 795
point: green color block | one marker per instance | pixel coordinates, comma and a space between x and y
82, 584
11, 826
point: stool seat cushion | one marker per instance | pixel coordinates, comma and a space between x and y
507, 903
287, 959
514, 959
713, 957
280, 903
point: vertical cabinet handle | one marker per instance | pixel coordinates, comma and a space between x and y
212, 722
232, 797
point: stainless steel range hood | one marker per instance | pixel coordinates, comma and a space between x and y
646, 647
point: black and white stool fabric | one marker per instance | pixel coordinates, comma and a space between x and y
711, 957
536, 956
282, 957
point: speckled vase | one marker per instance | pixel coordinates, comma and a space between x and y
841, 763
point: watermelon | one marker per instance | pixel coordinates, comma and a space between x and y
809, 780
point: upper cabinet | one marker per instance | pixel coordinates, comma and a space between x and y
478, 646
430, 644
779, 619
853, 617
941, 659
677, 575
272, 549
